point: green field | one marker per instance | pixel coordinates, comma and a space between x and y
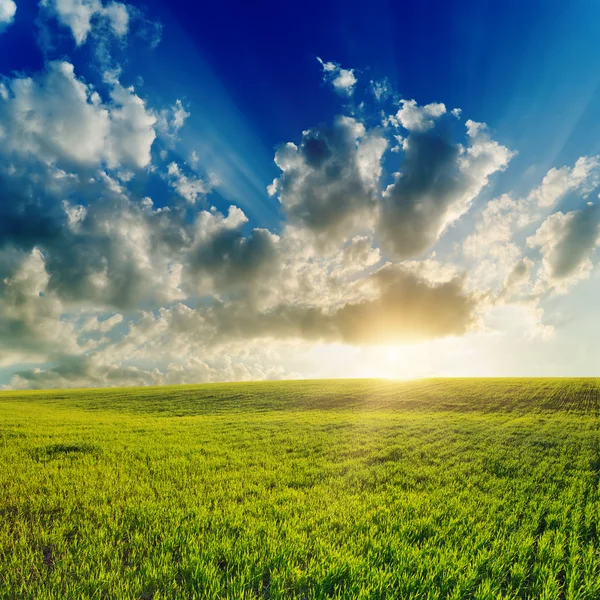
448, 489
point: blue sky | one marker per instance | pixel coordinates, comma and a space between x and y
145, 241
525, 69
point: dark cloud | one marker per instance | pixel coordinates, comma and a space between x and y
225, 260
402, 307
27, 218
578, 239
566, 242
330, 181
414, 207
437, 182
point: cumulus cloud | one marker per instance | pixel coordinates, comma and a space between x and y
497, 224
80, 16
357, 255
30, 323
329, 183
125, 254
57, 117
343, 80
122, 255
7, 13
223, 260
94, 324
400, 306
112, 252
188, 187
494, 241
90, 371
584, 176
437, 182
566, 242
518, 278
419, 118
499, 258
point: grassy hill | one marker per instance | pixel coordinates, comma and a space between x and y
457, 488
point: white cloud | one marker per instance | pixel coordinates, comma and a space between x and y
7, 13
80, 15
118, 16
419, 118
95, 371
493, 241
191, 188
132, 129
492, 244
171, 120
102, 326
55, 116
584, 176
343, 80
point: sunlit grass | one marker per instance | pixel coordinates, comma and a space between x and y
323, 489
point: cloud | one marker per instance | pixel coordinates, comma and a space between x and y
584, 176
396, 303
566, 242
401, 307
108, 277
494, 241
122, 255
381, 89
497, 224
437, 182
518, 278
188, 187
343, 80
233, 338
80, 16
30, 323
222, 260
171, 120
58, 118
357, 255
419, 118
492, 246
329, 183
89, 371
7, 13
94, 324
113, 252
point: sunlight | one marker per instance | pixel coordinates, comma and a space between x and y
392, 354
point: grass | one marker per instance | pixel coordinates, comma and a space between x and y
449, 489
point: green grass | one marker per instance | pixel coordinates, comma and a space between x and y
450, 489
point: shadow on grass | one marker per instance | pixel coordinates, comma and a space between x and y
53, 451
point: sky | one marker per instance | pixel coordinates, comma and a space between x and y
198, 192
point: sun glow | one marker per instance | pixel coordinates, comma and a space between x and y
471, 356
392, 354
